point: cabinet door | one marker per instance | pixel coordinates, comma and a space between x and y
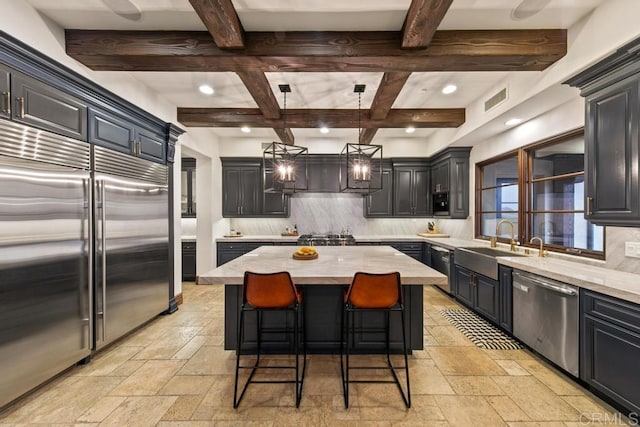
422, 192
250, 191
189, 261
506, 297
487, 297
609, 359
380, 203
5, 92
426, 255
274, 204
458, 187
441, 177
611, 154
403, 191
37, 104
231, 188
152, 145
464, 285
111, 131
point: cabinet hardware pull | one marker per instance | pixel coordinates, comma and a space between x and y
7, 102
133, 147
139, 148
589, 205
21, 106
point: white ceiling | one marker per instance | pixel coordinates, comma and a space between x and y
316, 90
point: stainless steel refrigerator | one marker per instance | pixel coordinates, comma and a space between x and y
83, 251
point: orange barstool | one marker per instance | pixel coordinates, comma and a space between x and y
370, 292
271, 292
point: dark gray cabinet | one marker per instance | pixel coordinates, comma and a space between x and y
612, 137
413, 249
610, 348
5, 92
188, 187
228, 251
243, 191
189, 261
479, 292
505, 276
380, 203
450, 174
412, 195
37, 104
440, 177
113, 131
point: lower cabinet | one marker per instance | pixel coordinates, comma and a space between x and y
505, 275
610, 348
413, 249
479, 292
228, 251
188, 261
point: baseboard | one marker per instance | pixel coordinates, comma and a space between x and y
178, 298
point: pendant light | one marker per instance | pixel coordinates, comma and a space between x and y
284, 166
360, 164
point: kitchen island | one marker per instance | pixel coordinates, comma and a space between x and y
323, 281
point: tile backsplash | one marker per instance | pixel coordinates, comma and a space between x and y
332, 212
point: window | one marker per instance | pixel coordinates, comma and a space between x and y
540, 189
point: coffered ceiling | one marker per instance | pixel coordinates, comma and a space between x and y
244, 49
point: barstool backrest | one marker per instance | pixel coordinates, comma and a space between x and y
269, 290
370, 290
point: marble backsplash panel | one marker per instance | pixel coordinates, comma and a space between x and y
332, 212
616, 238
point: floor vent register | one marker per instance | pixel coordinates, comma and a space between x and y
479, 331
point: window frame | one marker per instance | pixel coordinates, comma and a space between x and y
525, 212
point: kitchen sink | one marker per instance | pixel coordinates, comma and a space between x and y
481, 260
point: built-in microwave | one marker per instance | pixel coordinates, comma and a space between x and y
441, 203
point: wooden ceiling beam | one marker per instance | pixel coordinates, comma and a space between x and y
388, 90
221, 20
315, 118
366, 136
468, 50
285, 135
423, 19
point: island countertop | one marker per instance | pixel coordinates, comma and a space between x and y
335, 265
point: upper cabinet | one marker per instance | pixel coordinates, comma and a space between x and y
39, 92
380, 203
188, 190
40, 105
612, 137
110, 130
450, 177
411, 189
243, 194
5, 92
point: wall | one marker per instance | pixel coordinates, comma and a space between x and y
331, 212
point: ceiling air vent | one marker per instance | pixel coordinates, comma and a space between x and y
266, 145
495, 99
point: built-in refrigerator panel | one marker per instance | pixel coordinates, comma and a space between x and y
45, 209
131, 241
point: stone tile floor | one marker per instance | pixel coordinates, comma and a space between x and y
174, 372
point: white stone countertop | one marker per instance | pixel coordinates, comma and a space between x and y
335, 265
392, 237
188, 238
259, 238
610, 282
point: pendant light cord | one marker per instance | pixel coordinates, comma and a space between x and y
359, 128
284, 115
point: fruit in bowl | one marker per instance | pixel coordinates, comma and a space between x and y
306, 251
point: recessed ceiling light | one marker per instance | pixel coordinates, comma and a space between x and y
410, 129
206, 89
245, 129
513, 122
324, 129
449, 89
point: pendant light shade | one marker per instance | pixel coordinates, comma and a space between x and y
284, 167
360, 164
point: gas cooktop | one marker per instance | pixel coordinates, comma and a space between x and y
326, 240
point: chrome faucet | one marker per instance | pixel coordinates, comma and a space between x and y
541, 251
494, 239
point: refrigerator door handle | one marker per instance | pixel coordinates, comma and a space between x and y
103, 256
90, 250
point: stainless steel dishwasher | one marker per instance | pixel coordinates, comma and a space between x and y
440, 262
545, 317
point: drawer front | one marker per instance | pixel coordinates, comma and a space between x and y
188, 246
241, 246
406, 246
618, 312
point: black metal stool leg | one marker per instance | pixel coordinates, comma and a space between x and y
236, 401
407, 400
